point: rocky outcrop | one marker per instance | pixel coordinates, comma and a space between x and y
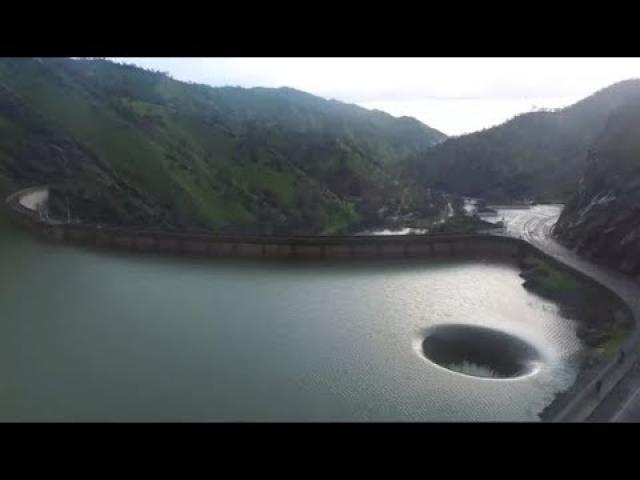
602, 220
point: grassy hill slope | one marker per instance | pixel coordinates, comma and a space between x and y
123, 145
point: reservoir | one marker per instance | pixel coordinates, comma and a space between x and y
88, 335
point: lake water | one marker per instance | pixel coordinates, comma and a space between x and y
87, 335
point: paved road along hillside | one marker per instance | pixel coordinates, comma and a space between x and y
535, 225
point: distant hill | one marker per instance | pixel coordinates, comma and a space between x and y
602, 220
123, 145
537, 155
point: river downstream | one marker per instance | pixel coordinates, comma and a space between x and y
87, 335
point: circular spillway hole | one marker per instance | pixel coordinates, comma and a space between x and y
480, 351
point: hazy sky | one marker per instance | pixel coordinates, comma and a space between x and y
454, 95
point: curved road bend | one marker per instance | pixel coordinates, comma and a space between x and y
622, 404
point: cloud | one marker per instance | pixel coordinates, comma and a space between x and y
432, 88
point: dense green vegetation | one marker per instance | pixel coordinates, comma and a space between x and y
123, 145
602, 321
536, 155
547, 279
602, 220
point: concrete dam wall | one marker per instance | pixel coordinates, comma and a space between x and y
256, 246
294, 247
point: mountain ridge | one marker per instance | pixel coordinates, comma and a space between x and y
532, 156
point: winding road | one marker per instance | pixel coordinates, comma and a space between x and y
535, 225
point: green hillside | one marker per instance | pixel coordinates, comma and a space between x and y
123, 145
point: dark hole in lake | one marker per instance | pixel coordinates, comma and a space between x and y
479, 351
